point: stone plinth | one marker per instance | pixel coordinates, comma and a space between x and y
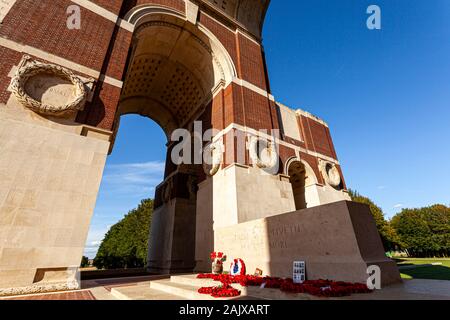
338, 241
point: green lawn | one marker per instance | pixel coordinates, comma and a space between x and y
438, 272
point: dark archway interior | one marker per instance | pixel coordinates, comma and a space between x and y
171, 76
297, 174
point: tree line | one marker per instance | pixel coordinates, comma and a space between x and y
126, 244
420, 233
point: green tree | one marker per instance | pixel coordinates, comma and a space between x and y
424, 232
126, 243
390, 239
84, 262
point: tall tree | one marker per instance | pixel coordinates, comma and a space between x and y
84, 262
390, 239
424, 232
126, 243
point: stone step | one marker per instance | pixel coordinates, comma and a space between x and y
185, 287
142, 292
188, 290
191, 279
246, 292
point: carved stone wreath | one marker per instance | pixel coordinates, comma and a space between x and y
330, 173
31, 68
213, 153
38, 288
257, 146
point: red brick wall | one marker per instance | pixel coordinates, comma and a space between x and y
251, 65
225, 36
8, 58
176, 4
43, 25
320, 137
101, 112
285, 154
217, 111
317, 137
247, 55
103, 46
314, 163
257, 110
116, 58
274, 115
111, 5
233, 105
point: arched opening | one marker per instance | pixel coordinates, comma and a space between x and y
301, 177
297, 174
130, 177
173, 71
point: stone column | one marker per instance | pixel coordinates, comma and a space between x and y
172, 234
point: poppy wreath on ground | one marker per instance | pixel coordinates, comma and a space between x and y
319, 288
223, 291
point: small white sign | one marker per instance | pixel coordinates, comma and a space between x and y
299, 272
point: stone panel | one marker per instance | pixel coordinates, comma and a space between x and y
49, 178
323, 237
289, 123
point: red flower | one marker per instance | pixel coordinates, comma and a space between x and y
320, 288
213, 256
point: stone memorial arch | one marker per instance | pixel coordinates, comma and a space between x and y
180, 63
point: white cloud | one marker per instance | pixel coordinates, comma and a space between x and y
398, 206
93, 242
381, 187
133, 178
123, 186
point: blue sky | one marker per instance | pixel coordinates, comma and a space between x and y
385, 94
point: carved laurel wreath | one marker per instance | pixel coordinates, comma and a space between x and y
215, 151
330, 173
256, 145
33, 68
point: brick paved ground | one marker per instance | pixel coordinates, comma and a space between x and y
78, 295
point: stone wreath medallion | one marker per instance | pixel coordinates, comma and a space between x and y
69, 100
263, 153
330, 173
213, 152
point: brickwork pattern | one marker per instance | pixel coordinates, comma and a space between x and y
43, 25
102, 111
9, 58
251, 65
111, 5
78, 295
